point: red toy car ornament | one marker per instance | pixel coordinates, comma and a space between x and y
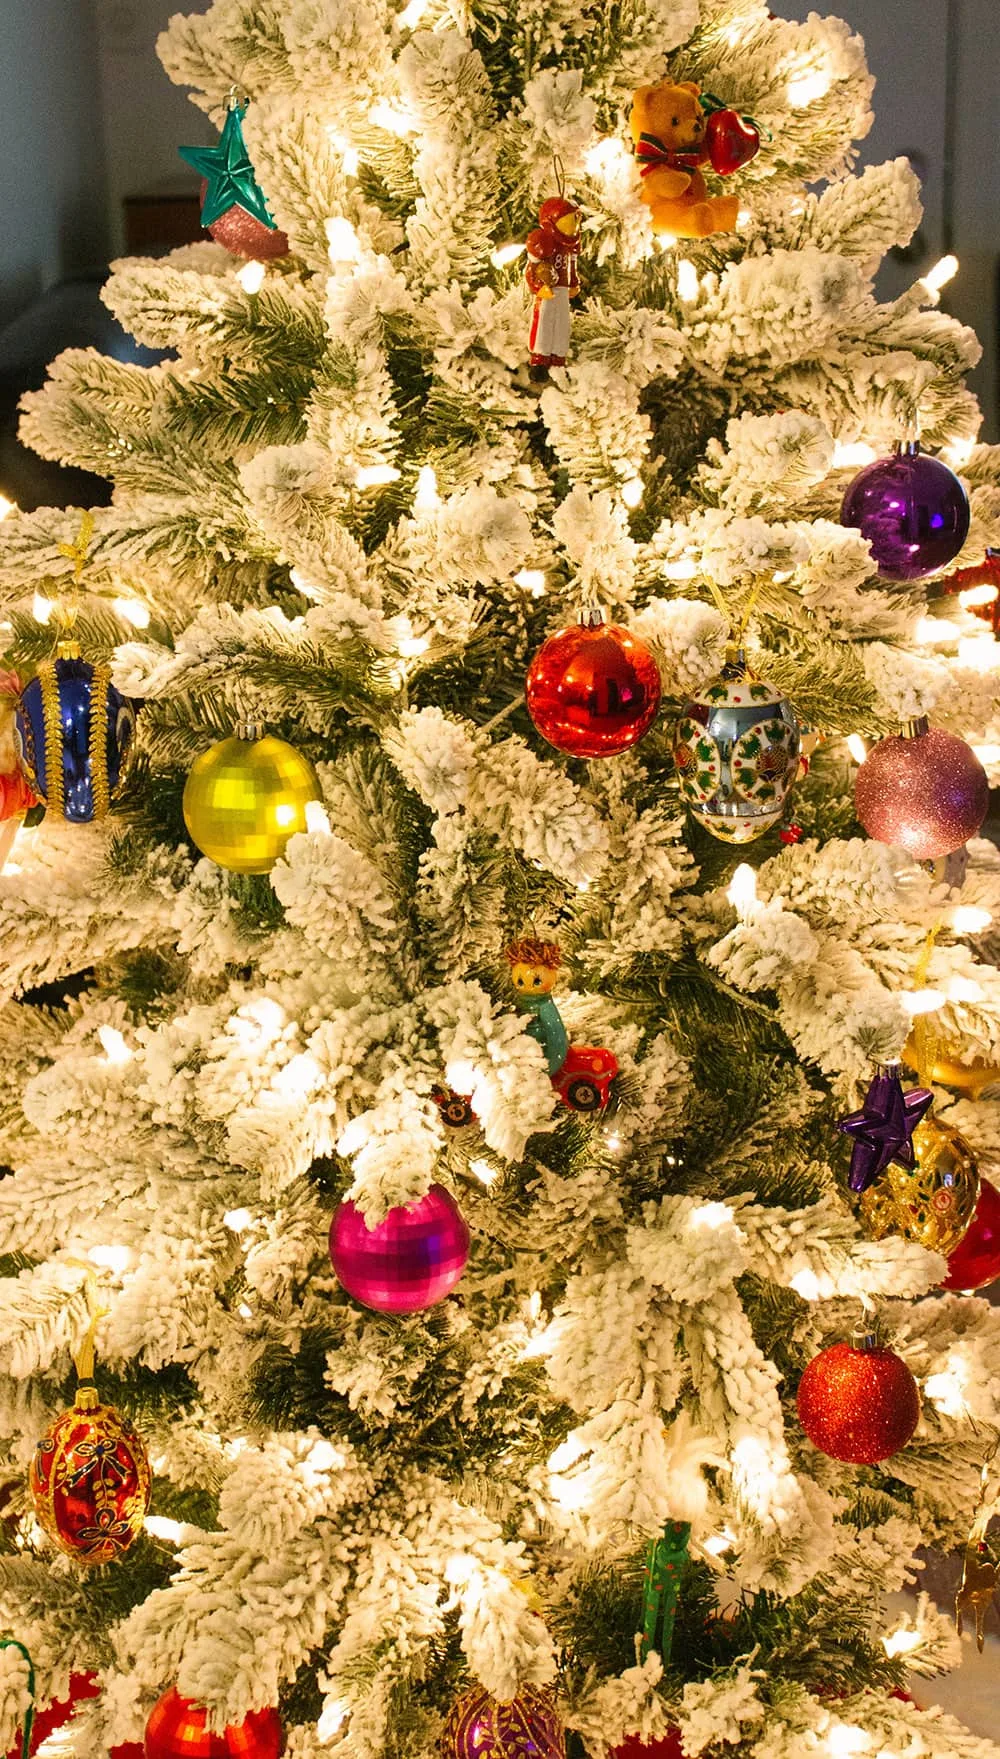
584, 1081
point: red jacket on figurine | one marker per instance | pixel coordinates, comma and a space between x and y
551, 275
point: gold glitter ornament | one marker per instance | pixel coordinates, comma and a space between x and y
244, 798
933, 1203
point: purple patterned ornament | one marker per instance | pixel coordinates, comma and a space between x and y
480, 1727
912, 509
408, 1262
883, 1129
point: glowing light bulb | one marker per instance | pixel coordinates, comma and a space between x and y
251, 276
806, 1284
944, 270
687, 281
244, 1310
485, 1173
375, 476
332, 1718
237, 1220
349, 154
113, 1044
958, 452
977, 595
934, 629
718, 1543
343, 244
317, 822
507, 253
856, 746
532, 580
808, 87
901, 1642
132, 611
605, 158
162, 1527
965, 989
666, 241
742, 890
967, 919
412, 645
685, 568
710, 1215
393, 118
426, 498
852, 455
41, 608
114, 1258
632, 491
922, 1001
845, 1739
410, 17
6, 507
981, 652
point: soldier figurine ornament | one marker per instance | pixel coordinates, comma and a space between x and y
551, 276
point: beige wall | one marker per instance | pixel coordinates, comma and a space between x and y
51, 147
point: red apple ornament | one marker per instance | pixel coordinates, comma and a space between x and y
732, 140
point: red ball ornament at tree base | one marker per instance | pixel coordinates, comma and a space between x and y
406, 1263
90, 1481
178, 1729
975, 1261
924, 790
858, 1405
668, 1746
593, 689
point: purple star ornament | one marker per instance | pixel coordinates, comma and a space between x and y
883, 1129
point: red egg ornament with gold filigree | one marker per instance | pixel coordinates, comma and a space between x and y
178, 1729
90, 1481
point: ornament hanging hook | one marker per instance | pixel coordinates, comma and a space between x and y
560, 174
83, 1358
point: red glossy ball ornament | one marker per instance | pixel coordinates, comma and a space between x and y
593, 690
480, 1727
406, 1263
858, 1405
178, 1729
924, 790
667, 1747
975, 1261
245, 235
90, 1481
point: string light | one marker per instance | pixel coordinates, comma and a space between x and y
349, 154
485, 1173
632, 491
393, 118
947, 1389
606, 157
244, 1310
742, 890
977, 595
965, 989
845, 1739
132, 611
343, 244
162, 1527
116, 1259
532, 580
332, 1718
852, 455
958, 452
922, 1001
687, 281
944, 270
902, 1641
307, 588
375, 476
410, 17
808, 87
718, 1543
426, 498
251, 276
507, 253
710, 1215
317, 822
238, 1220
41, 608
967, 919
930, 630
987, 754
856, 746
113, 1045
806, 1284
980, 652
6, 507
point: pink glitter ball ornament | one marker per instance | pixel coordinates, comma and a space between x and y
408, 1262
924, 790
243, 235
480, 1727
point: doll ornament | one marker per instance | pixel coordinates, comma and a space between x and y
551, 276
580, 1073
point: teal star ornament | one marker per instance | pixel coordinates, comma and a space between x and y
229, 174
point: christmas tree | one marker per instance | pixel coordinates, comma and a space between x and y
450, 946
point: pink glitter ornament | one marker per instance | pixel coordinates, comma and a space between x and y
924, 790
245, 236
480, 1727
406, 1263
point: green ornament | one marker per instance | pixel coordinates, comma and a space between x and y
665, 1562
229, 174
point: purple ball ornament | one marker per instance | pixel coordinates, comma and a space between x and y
480, 1727
406, 1263
912, 509
923, 790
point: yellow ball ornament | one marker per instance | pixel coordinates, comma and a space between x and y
245, 797
931, 1203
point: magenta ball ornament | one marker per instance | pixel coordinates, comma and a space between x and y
480, 1727
912, 509
925, 791
406, 1263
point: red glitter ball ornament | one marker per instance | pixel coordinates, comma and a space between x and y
858, 1405
245, 235
409, 1261
975, 1261
90, 1481
925, 791
178, 1729
667, 1747
480, 1727
593, 690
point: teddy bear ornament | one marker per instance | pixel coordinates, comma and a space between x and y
675, 130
